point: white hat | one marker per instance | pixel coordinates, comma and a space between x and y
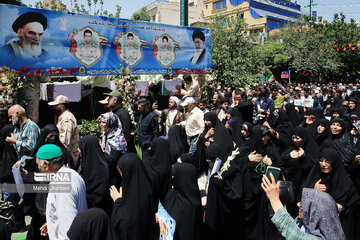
104, 101
188, 100
59, 100
175, 99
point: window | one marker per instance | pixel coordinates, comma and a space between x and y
153, 18
219, 4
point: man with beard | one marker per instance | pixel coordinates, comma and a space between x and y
24, 138
67, 125
148, 125
200, 51
30, 28
169, 116
26, 131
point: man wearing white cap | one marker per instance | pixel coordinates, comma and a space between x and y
169, 116
67, 125
194, 123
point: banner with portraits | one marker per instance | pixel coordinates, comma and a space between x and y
44, 42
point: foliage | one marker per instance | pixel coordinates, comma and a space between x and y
138, 151
323, 49
91, 127
142, 15
79, 7
269, 56
12, 89
231, 52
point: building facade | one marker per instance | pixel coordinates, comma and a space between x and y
259, 15
168, 12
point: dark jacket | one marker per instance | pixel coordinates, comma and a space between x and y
125, 120
148, 129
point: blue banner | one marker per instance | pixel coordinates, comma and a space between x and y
44, 42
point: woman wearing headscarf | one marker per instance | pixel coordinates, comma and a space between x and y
342, 142
293, 114
91, 224
133, 215
280, 128
214, 132
113, 138
300, 158
262, 152
187, 158
318, 216
95, 172
246, 130
176, 142
113, 144
211, 154
323, 135
49, 135
158, 167
353, 108
183, 203
224, 210
330, 176
233, 122
336, 112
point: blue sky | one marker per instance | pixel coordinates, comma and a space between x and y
325, 8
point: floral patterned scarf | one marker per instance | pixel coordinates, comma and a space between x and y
113, 138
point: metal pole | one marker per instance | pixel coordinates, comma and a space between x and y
311, 1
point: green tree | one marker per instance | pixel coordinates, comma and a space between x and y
142, 15
231, 52
270, 56
322, 49
118, 11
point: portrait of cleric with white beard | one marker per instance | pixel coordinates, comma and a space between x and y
30, 28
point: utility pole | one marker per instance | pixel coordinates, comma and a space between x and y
184, 12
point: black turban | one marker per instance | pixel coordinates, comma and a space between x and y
29, 17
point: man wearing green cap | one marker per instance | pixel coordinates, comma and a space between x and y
62, 206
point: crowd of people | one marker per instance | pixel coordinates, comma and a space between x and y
310, 132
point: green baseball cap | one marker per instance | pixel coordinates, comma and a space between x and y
114, 93
49, 151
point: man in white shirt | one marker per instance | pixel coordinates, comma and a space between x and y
194, 123
67, 193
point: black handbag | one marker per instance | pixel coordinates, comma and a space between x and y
286, 192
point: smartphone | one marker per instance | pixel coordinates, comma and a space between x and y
275, 172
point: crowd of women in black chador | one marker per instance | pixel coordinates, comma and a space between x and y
317, 150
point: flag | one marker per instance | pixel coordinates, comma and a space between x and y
270, 78
285, 74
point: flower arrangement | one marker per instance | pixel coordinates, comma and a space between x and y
126, 84
73, 43
91, 127
155, 48
12, 89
